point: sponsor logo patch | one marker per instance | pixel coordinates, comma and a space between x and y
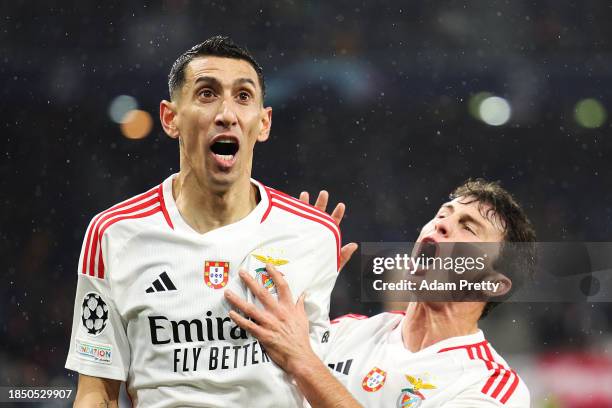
94, 313
97, 353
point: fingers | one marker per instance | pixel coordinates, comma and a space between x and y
300, 303
305, 197
346, 252
259, 291
282, 288
322, 200
246, 324
247, 308
338, 213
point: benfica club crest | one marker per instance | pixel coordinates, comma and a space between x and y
216, 274
374, 380
412, 397
261, 274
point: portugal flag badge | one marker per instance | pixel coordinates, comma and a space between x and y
374, 380
216, 274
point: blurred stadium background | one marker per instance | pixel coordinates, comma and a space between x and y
388, 105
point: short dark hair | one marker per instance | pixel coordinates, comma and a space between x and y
517, 262
217, 46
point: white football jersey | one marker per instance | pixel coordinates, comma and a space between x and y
369, 358
150, 310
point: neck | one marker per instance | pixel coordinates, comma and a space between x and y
428, 323
205, 208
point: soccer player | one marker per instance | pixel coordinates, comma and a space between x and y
433, 354
149, 307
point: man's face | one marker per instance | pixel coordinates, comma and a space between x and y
218, 118
449, 234
463, 220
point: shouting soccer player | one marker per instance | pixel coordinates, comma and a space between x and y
149, 306
434, 354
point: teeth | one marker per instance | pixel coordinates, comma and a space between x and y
225, 156
225, 141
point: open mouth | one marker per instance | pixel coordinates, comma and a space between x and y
225, 148
428, 248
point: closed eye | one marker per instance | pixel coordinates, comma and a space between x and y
467, 227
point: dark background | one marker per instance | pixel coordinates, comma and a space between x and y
370, 102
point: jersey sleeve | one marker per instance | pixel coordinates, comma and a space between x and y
473, 397
98, 344
318, 292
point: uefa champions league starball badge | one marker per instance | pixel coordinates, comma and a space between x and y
94, 313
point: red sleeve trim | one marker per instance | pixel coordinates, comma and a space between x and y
334, 231
279, 195
500, 376
105, 219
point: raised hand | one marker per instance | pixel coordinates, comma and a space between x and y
346, 252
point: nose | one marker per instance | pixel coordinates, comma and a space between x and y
443, 226
226, 117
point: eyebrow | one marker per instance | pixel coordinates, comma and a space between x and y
465, 217
214, 81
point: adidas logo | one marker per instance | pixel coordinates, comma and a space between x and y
341, 367
158, 284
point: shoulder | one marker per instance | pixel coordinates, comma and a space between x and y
118, 223
474, 397
356, 325
495, 381
297, 211
290, 212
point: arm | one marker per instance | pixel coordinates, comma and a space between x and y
282, 328
97, 392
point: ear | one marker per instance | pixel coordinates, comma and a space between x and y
501, 282
167, 117
266, 124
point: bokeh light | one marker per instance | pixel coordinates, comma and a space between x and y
590, 113
136, 124
120, 106
494, 111
475, 101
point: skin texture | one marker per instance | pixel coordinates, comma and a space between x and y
282, 328
97, 392
220, 97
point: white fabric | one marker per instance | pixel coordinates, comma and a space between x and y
457, 368
231, 368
